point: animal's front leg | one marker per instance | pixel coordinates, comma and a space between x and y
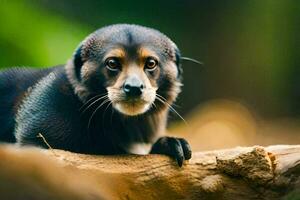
177, 148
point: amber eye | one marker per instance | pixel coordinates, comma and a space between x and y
113, 64
151, 64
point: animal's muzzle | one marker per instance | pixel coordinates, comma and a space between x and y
133, 87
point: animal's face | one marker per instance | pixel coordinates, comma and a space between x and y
137, 67
132, 79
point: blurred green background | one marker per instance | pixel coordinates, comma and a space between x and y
250, 48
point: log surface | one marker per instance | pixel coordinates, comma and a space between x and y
241, 173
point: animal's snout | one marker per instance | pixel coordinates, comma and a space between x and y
133, 87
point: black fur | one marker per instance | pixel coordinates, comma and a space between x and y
54, 106
13, 86
53, 111
178, 62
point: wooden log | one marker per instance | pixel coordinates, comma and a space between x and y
241, 173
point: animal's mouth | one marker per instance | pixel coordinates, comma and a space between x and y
132, 106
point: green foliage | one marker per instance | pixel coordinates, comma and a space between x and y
35, 37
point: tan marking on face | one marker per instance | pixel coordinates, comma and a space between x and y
144, 53
117, 52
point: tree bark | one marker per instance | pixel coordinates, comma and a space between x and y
241, 173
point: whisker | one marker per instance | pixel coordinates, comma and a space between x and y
94, 103
91, 99
167, 100
103, 116
153, 104
192, 60
90, 120
161, 97
172, 109
107, 108
111, 117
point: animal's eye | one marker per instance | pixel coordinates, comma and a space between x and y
151, 64
113, 64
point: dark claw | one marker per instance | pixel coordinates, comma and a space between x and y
177, 148
176, 151
186, 148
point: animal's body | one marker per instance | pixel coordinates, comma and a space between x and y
112, 97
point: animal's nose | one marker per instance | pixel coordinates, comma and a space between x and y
133, 87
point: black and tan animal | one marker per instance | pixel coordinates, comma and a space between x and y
112, 97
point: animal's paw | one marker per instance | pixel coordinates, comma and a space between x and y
177, 148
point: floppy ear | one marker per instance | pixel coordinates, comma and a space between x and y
78, 62
178, 62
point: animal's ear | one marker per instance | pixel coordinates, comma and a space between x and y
78, 62
178, 62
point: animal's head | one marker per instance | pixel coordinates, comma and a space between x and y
135, 65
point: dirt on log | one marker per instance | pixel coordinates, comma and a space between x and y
241, 173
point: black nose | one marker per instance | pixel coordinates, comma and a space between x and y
133, 87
